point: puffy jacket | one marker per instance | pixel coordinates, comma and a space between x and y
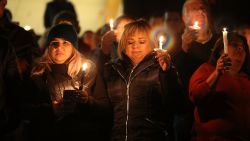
142, 98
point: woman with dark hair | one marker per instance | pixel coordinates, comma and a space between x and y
220, 91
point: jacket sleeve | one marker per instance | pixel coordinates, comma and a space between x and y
98, 101
171, 87
198, 87
9, 86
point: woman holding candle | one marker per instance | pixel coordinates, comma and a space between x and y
220, 91
140, 91
59, 90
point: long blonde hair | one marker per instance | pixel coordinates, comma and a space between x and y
74, 63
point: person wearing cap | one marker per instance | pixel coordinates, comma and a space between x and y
60, 92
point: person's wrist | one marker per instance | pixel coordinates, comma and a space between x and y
217, 73
184, 48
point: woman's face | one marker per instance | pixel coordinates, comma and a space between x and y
60, 50
138, 46
237, 55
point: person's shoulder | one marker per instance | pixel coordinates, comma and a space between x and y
206, 67
113, 62
38, 78
51, 3
69, 3
111, 65
12, 27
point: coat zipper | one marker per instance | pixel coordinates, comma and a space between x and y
128, 86
127, 92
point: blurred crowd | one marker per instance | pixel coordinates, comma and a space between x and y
169, 76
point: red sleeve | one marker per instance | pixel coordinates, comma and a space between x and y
198, 87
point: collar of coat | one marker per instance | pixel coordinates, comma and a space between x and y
124, 65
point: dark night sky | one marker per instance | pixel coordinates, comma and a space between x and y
230, 10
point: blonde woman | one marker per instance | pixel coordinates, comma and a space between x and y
140, 88
60, 88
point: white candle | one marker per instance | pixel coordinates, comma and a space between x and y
161, 38
225, 41
111, 24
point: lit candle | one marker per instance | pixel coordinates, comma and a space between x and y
84, 68
225, 41
111, 24
195, 26
161, 38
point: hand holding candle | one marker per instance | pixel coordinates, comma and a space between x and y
225, 41
111, 24
84, 68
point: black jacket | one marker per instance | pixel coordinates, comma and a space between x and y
9, 86
74, 118
142, 99
24, 44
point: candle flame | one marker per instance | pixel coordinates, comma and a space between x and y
196, 25
224, 29
84, 66
111, 24
161, 38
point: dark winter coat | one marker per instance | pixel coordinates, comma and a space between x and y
73, 118
142, 99
9, 80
